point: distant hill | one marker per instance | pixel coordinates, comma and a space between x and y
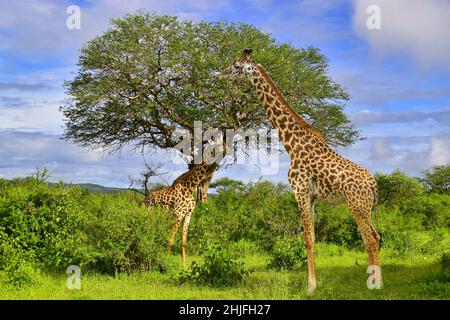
96, 188
91, 187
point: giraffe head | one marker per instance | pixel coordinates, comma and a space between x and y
243, 66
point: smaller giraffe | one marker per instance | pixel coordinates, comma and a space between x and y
202, 190
179, 198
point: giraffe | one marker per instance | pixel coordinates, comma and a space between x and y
202, 191
179, 198
202, 188
316, 172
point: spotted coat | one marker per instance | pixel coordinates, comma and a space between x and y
180, 200
316, 170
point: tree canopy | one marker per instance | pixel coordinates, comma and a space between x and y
149, 74
225, 183
397, 186
437, 179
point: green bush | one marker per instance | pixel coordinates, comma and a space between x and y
22, 274
219, 268
335, 224
50, 227
445, 266
258, 212
329, 249
261, 212
395, 187
433, 242
289, 253
433, 210
401, 242
17, 266
244, 247
42, 220
120, 236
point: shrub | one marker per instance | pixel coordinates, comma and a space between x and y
41, 220
259, 213
17, 266
401, 241
437, 179
329, 249
22, 274
288, 253
433, 210
433, 242
219, 268
244, 247
337, 225
53, 226
397, 186
445, 266
120, 236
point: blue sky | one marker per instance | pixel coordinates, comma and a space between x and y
398, 78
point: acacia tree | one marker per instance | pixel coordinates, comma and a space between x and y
149, 75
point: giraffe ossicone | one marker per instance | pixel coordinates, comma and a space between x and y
316, 171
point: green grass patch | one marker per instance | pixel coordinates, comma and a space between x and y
340, 276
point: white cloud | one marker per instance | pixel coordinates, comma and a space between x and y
381, 150
31, 111
410, 154
38, 28
366, 117
440, 151
414, 28
21, 152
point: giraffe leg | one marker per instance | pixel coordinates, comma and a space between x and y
371, 238
308, 228
302, 187
175, 226
189, 209
306, 206
313, 215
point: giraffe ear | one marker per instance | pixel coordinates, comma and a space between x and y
246, 54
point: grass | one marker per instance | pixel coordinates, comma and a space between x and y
341, 274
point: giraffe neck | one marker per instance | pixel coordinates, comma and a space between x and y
193, 177
291, 126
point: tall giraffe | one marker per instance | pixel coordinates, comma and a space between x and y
316, 171
179, 198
